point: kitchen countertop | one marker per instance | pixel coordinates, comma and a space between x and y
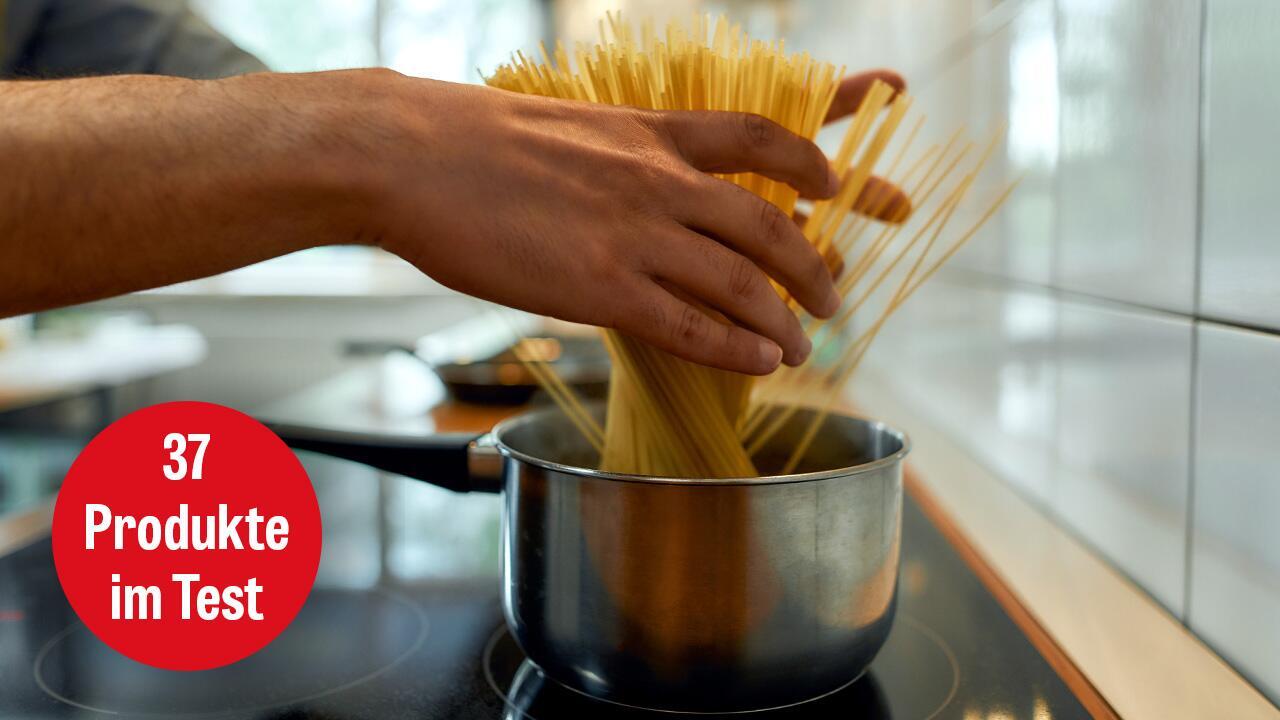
1140, 660
51, 367
1118, 650
954, 652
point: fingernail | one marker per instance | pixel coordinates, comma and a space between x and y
770, 355
837, 267
832, 304
833, 181
805, 348
795, 359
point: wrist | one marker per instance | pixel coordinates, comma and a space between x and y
313, 153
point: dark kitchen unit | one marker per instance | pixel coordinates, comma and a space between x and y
405, 621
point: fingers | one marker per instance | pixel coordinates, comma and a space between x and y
831, 256
883, 201
854, 87
756, 228
729, 142
730, 284
879, 199
834, 261
671, 324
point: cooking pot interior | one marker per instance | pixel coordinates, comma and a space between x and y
842, 441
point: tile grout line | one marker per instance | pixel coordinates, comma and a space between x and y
1193, 416
1055, 268
982, 278
1193, 423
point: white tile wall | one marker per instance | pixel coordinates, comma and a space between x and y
980, 362
1241, 222
1032, 144
1122, 445
1129, 74
1235, 562
1007, 86
1083, 407
1086, 404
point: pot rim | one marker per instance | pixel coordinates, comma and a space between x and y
525, 418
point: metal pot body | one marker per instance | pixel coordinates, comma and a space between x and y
700, 595
678, 594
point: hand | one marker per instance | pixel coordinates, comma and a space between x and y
879, 197
606, 215
589, 213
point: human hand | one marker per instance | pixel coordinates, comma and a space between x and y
607, 215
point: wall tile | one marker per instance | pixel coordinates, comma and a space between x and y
967, 66
905, 36
1235, 568
1086, 406
1128, 75
1123, 428
1012, 93
978, 361
1241, 224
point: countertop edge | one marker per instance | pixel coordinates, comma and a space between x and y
1140, 659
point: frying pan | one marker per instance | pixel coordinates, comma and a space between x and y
502, 379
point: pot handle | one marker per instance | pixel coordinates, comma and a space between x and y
462, 462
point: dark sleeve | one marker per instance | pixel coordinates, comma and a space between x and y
61, 38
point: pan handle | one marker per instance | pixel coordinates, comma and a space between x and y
462, 462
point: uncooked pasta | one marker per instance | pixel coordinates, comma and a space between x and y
669, 417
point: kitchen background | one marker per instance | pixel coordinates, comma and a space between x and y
1108, 345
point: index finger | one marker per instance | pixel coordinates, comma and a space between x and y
732, 142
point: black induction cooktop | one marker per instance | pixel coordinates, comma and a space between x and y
419, 634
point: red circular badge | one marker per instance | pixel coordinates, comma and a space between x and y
186, 535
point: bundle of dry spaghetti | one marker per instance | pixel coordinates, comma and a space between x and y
669, 417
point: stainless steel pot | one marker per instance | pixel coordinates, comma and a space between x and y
679, 594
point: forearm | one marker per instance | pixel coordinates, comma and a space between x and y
111, 185
582, 211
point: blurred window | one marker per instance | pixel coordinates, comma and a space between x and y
441, 39
299, 35
454, 40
